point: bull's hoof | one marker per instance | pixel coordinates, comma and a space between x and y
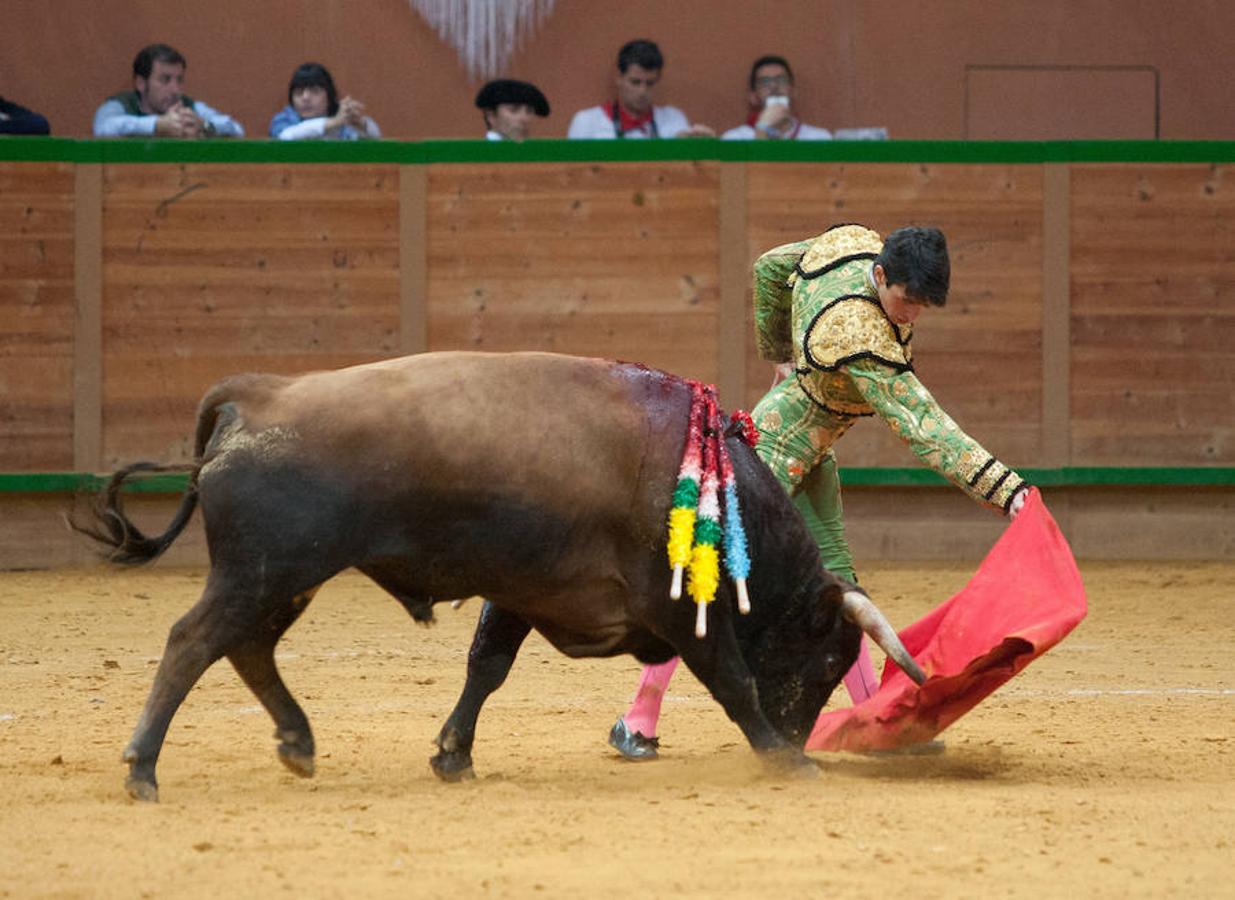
141, 789
453, 767
297, 761
296, 751
790, 762
632, 745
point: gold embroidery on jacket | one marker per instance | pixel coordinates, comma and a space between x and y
857, 328
835, 244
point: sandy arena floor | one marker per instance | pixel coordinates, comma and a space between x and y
1107, 769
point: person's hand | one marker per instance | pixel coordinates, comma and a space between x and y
352, 112
194, 125
1018, 501
697, 130
179, 121
774, 120
781, 372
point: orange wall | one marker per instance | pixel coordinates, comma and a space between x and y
897, 63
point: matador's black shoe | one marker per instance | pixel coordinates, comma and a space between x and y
633, 746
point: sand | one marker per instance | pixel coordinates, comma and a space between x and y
1106, 769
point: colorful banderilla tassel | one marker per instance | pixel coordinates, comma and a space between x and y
695, 521
737, 560
686, 494
704, 574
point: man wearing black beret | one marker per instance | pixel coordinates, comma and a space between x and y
508, 107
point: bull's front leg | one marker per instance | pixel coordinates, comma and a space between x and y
499, 634
718, 664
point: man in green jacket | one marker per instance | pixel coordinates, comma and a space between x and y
835, 313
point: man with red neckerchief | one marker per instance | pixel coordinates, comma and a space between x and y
771, 111
633, 114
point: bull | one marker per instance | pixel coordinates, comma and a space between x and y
540, 482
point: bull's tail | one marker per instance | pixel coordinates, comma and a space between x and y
122, 541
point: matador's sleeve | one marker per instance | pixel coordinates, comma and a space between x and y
902, 401
774, 300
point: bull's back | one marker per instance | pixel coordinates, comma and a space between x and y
566, 436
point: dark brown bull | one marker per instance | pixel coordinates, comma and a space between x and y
539, 482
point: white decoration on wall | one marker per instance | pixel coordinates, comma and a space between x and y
486, 33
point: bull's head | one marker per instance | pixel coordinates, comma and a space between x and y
799, 660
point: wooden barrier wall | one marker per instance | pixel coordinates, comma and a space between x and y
1091, 320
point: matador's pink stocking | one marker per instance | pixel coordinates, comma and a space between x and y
860, 680
644, 710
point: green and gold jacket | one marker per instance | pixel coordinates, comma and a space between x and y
817, 307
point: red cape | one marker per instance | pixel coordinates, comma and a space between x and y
1024, 598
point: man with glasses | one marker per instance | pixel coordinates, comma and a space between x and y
771, 107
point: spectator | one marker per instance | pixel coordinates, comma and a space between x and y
632, 114
771, 107
314, 110
15, 119
157, 106
508, 107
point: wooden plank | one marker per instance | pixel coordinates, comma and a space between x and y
981, 356
88, 327
1153, 317
735, 280
1056, 317
413, 258
614, 260
36, 315
215, 269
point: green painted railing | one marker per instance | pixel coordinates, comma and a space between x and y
1070, 476
45, 149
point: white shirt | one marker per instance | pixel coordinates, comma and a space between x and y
112, 121
314, 129
597, 122
805, 133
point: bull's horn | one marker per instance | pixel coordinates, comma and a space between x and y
858, 608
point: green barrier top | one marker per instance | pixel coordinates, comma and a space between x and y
130, 150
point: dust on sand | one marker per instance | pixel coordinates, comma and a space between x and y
1105, 769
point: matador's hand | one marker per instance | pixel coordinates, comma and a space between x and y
1018, 501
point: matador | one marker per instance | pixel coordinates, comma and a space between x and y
836, 313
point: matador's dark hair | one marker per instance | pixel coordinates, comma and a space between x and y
917, 258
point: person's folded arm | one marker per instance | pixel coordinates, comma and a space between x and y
110, 120
218, 124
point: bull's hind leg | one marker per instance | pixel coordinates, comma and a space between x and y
194, 643
226, 620
499, 634
254, 663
